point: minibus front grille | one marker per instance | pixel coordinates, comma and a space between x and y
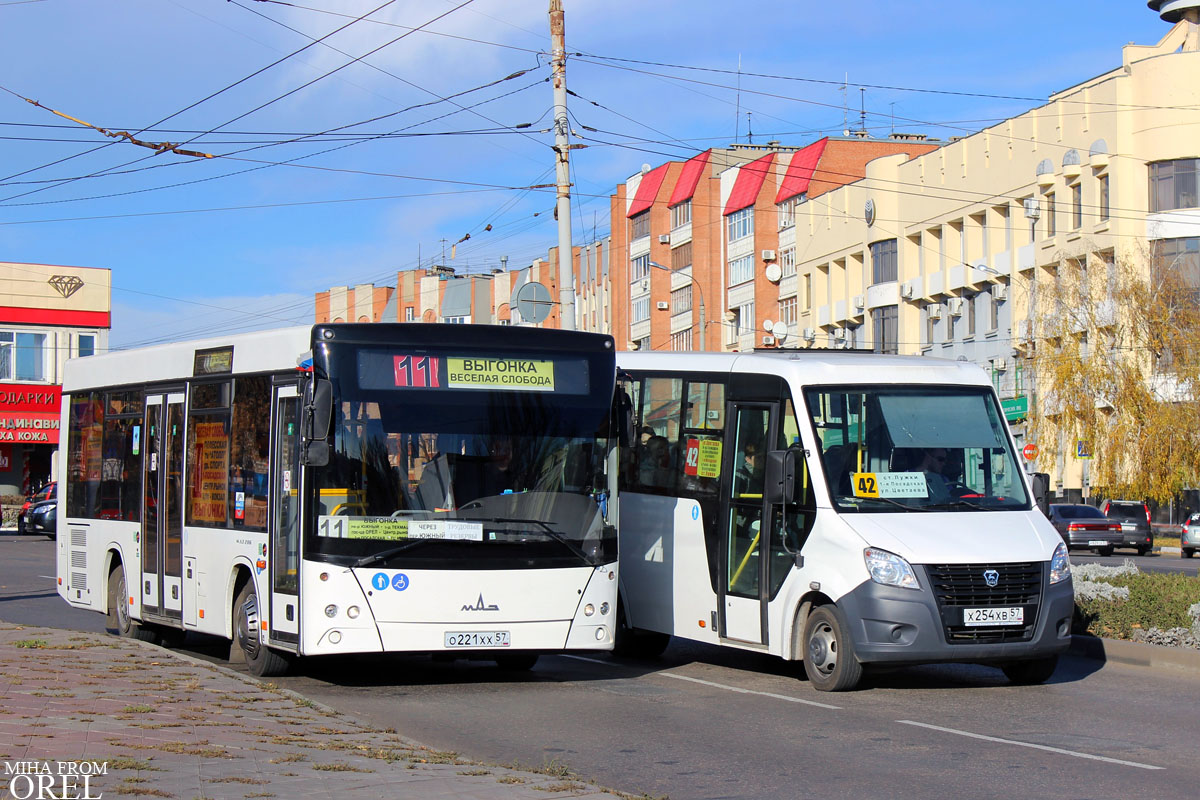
960, 586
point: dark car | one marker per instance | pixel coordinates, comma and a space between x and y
42, 518
47, 492
1085, 527
1189, 536
1134, 516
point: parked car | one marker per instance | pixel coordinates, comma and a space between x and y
1134, 516
47, 492
42, 518
1189, 536
1086, 527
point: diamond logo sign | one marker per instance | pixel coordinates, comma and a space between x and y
66, 285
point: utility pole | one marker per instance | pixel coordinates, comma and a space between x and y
562, 150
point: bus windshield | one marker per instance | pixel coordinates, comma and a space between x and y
465, 462
915, 448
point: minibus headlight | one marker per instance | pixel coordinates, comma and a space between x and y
1060, 564
889, 569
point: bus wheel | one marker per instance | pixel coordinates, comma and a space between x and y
1031, 672
261, 660
829, 659
516, 662
118, 621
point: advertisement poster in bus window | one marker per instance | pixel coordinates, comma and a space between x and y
209, 492
708, 464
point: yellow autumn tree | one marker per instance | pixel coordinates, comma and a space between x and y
1115, 359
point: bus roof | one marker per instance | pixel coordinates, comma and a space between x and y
815, 367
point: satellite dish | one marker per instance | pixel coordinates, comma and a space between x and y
767, 325
780, 329
773, 272
533, 301
645, 168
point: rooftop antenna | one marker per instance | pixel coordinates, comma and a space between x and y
845, 105
893, 105
737, 108
749, 130
862, 104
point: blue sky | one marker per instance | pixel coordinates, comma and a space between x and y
383, 170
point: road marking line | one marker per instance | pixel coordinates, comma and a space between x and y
716, 685
1048, 748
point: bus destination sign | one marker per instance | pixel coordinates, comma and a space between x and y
432, 372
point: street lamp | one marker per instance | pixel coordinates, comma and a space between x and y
699, 295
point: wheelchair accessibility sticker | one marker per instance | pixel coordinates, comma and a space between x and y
400, 582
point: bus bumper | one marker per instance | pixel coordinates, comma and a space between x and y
906, 626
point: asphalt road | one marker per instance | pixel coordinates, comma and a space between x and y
704, 722
1151, 562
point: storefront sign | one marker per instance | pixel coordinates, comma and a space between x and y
1015, 408
29, 413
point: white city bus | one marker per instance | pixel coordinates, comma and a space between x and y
846, 509
347, 489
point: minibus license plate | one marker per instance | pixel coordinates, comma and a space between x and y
478, 639
1096, 542
994, 616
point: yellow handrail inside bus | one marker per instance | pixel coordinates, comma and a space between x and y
737, 573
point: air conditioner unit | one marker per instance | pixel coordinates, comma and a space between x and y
934, 310
1000, 291
999, 364
664, 238
809, 334
643, 285
663, 305
906, 291
768, 255
1032, 210
954, 306
839, 334
859, 302
768, 340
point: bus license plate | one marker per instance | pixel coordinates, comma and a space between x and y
478, 639
994, 616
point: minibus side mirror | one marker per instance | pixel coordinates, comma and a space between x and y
781, 476
1040, 481
318, 408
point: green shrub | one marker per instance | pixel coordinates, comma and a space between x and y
1156, 600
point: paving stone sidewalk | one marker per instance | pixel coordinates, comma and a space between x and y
168, 725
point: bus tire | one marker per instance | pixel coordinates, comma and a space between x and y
829, 659
516, 662
1031, 672
636, 643
118, 621
261, 660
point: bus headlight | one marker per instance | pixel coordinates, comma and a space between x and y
331, 611
889, 569
1060, 564
588, 610
352, 612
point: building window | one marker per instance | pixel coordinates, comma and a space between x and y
87, 345
1076, 206
885, 319
639, 225
22, 356
409, 313
951, 322
807, 287
883, 261
681, 299
787, 311
457, 320
787, 262
993, 312
681, 214
682, 340
734, 328
741, 270
1104, 198
639, 268
681, 257
787, 211
1173, 184
1182, 255
739, 224
929, 322
972, 306
1051, 224
639, 309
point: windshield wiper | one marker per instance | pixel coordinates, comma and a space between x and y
861, 500
553, 534
383, 555
959, 503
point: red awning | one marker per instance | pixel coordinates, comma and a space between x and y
749, 180
689, 177
647, 190
800, 171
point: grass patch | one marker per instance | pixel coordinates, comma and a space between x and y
510, 779
130, 763
560, 787
1155, 600
289, 758
339, 766
240, 779
474, 772
31, 644
138, 709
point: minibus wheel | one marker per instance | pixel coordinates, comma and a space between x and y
829, 659
118, 620
1028, 673
261, 660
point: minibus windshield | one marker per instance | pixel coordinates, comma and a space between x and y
915, 449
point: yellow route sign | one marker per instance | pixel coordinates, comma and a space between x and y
500, 373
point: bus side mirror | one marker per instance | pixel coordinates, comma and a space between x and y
318, 408
781, 476
1040, 481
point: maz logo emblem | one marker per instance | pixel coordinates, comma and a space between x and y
480, 605
991, 577
66, 285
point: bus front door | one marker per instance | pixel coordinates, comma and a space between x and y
285, 520
743, 545
162, 509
